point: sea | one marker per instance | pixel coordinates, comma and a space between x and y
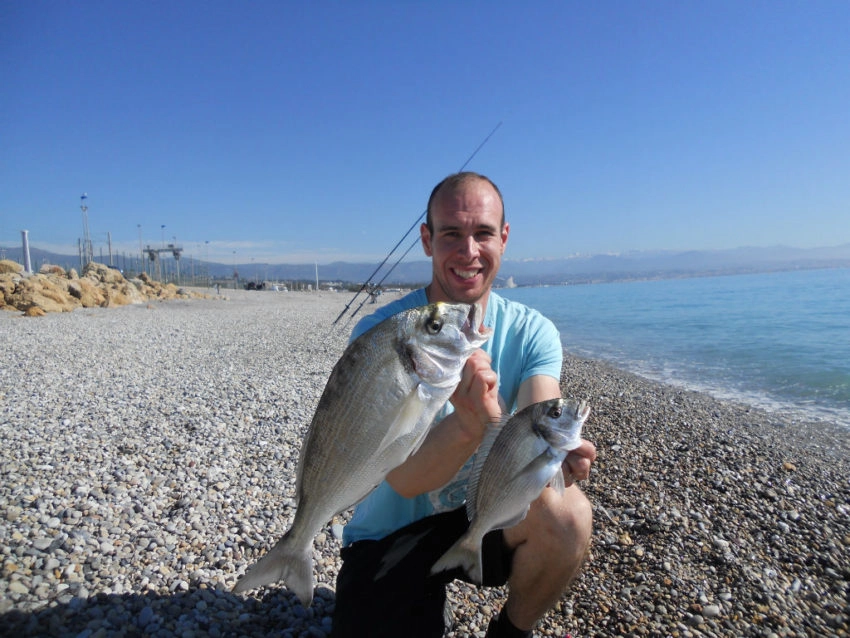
779, 341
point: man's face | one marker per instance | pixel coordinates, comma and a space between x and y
467, 244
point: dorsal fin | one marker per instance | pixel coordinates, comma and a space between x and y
480, 457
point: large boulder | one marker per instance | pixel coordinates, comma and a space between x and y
8, 283
7, 266
131, 293
42, 292
54, 290
51, 269
103, 273
89, 293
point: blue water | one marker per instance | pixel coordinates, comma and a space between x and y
780, 341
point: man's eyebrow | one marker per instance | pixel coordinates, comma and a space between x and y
479, 227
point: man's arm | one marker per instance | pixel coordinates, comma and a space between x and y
454, 439
537, 388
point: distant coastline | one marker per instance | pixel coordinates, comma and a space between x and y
571, 270
591, 279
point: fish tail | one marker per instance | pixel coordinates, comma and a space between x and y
465, 553
293, 565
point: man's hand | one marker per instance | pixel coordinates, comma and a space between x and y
454, 439
577, 464
476, 398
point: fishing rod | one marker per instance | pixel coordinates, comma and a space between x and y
375, 272
409, 230
378, 285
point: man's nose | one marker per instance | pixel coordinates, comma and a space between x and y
470, 247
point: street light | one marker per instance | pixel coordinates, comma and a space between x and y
87, 253
176, 253
235, 272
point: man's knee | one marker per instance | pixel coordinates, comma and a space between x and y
561, 523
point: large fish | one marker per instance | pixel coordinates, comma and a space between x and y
374, 412
512, 466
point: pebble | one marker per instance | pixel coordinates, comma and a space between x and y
149, 458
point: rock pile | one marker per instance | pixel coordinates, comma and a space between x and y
53, 289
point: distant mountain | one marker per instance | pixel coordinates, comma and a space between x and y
575, 269
673, 264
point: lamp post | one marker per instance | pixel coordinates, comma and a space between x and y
88, 255
176, 253
141, 250
235, 273
162, 274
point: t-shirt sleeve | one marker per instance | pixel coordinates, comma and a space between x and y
366, 323
411, 300
544, 353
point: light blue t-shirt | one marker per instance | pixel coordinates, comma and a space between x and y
523, 344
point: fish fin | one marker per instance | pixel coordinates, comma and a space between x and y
293, 566
503, 404
465, 553
399, 550
531, 480
516, 520
557, 482
402, 423
478, 464
541, 470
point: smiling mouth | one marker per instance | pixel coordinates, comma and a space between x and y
466, 274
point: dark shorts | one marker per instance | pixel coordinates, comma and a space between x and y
385, 587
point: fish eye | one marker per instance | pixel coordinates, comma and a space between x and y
555, 412
433, 326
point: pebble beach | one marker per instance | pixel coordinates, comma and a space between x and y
149, 451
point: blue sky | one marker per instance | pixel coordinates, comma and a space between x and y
298, 132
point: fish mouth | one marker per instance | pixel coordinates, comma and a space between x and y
440, 363
569, 438
566, 442
475, 332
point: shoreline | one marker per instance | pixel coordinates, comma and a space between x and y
737, 519
775, 422
150, 453
781, 411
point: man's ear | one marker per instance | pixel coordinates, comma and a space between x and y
425, 236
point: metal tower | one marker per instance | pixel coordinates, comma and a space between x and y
87, 252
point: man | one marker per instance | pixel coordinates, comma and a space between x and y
397, 533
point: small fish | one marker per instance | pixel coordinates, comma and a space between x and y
375, 411
513, 464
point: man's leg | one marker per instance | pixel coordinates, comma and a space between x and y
385, 588
550, 545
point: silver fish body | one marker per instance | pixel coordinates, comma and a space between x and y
513, 465
375, 411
